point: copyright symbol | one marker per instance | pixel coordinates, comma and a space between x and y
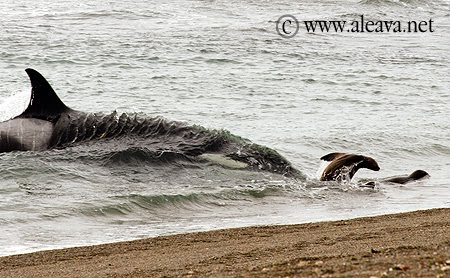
287, 26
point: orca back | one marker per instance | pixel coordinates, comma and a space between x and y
44, 103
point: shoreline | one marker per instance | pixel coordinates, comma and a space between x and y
412, 244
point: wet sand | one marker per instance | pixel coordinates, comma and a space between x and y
415, 244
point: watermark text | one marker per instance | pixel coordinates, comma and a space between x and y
287, 26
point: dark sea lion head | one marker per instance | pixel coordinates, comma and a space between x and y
369, 163
418, 174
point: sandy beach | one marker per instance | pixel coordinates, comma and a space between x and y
414, 244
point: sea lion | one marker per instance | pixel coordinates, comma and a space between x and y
416, 175
343, 164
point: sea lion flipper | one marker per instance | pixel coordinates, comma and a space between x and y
331, 156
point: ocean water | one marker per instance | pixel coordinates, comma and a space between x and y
221, 64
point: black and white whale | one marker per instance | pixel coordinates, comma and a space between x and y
47, 123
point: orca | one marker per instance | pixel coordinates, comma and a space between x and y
33, 129
47, 123
25, 135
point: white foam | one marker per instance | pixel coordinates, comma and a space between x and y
322, 166
14, 105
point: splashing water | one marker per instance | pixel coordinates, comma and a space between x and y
221, 64
14, 105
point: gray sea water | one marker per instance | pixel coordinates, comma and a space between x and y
221, 64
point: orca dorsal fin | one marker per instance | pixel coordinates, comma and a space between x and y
44, 103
